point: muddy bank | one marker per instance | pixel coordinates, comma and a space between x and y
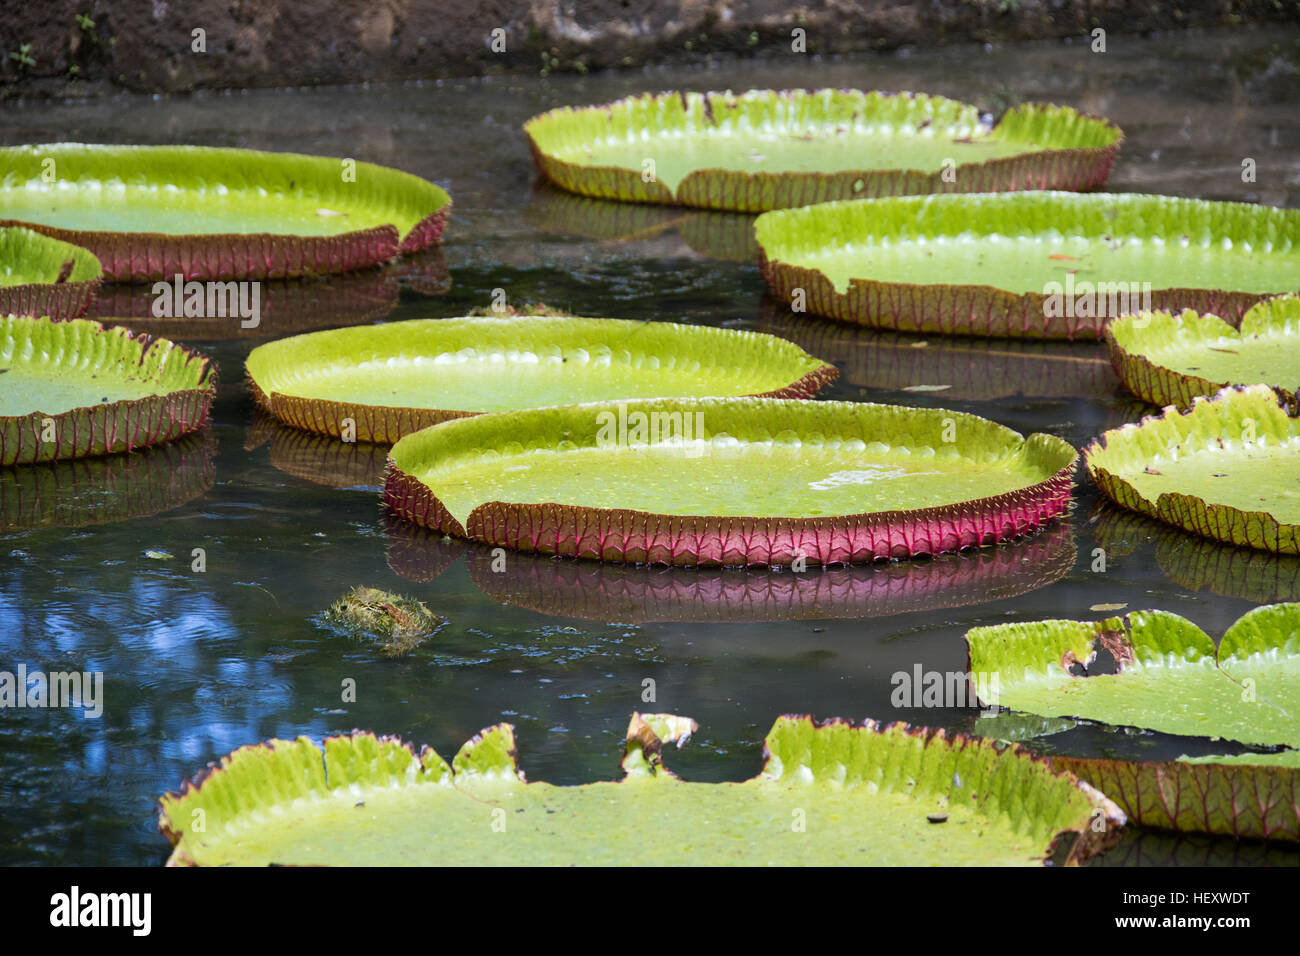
87, 47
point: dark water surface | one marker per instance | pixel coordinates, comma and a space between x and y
198, 664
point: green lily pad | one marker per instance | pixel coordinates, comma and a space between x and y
43, 276
769, 150
392, 380
1169, 359
1242, 795
1227, 469
152, 212
730, 481
829, 794
1170, 677
94, 491
1043, 265
638, 594
75, 389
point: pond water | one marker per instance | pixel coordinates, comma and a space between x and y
196, 664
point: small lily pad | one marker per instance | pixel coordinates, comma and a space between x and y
1169, 677
1170, 359
398, 624
43, 276
829, 793
1227, 469
75, 389
730, 481
395, 379
769, 150
152, 212
1039, 265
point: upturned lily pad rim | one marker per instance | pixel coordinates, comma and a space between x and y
268, 365
1128, 447
614, 533
951, 309
142, 256
1138, 342
42, 288
798, 751
1085, 145
105, 428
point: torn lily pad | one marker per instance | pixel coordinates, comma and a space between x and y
153, 212
1227, 469
1170, 359
1039, 265
43, 276
829, 793
638, 594
730, 481
75, 389
395, 379
764, 149
398, 624
1169, 677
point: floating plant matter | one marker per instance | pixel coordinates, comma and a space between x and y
1042, 265
43, 276
730, 481
1171, 678
396, 623
392, 380
153, 212
870, 795
1170, 359
1228, 468
762, 150
75, 389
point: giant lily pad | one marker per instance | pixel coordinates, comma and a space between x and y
93, 491
769, 150
1049, 265
391, 380
1228, 469
638, 594
43, 276
1170, 677
730, 481
830, 794
1170, 359
152, 212
75, 389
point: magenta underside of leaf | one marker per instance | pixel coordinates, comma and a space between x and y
1065, 169
641, 537
58, 300
1240, 800
384, 425
141, 257
971, 309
